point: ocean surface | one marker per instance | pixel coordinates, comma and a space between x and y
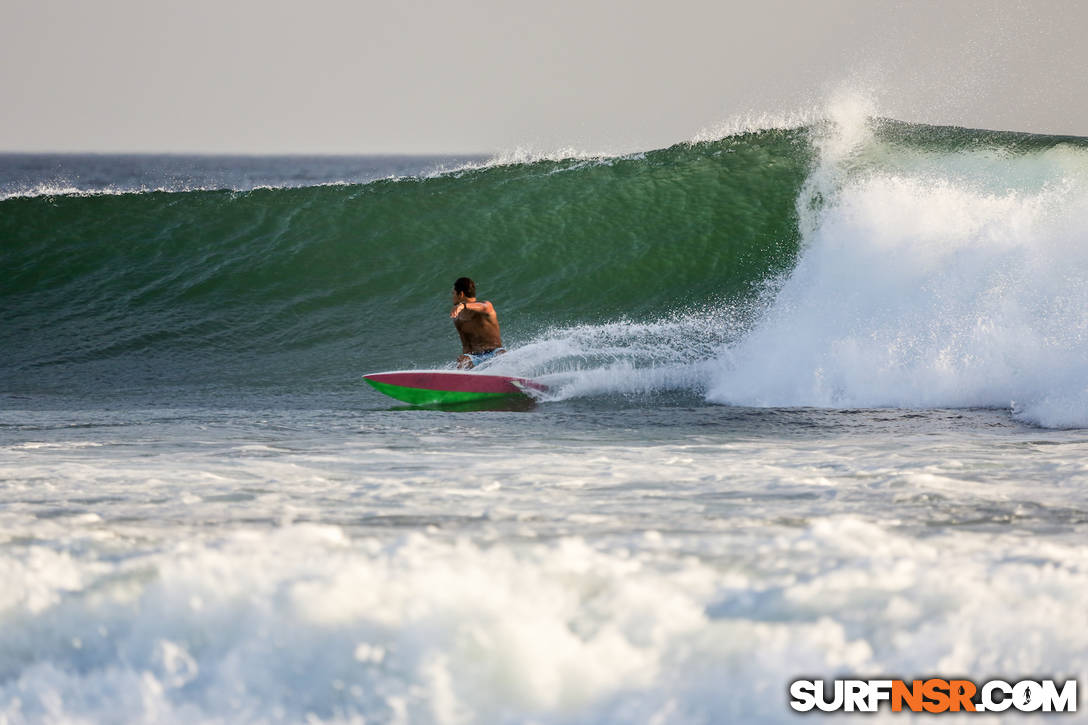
818, 407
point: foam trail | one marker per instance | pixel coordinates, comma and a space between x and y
624, 357
938, 279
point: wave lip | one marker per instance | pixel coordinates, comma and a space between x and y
33, 175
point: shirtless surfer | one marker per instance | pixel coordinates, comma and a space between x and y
476, 323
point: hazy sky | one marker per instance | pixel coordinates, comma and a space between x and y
387, 76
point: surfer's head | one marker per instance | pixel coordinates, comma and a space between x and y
465, 286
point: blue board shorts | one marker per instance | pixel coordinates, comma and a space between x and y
478, 358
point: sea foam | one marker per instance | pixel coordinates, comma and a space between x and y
304, 623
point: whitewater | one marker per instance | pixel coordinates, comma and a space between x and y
944, 278
817, 410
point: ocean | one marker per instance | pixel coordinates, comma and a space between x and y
817, 408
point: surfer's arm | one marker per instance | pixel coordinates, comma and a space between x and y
474, 306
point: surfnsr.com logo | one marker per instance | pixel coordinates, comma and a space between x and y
933, 695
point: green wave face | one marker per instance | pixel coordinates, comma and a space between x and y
310, 286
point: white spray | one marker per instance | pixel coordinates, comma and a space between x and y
928, 279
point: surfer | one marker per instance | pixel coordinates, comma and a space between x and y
476, 323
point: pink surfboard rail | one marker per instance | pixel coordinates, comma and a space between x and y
449, 386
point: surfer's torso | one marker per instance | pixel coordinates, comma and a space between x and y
478, 326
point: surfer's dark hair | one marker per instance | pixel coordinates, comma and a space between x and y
466, 285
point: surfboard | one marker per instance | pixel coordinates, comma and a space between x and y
446, 387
